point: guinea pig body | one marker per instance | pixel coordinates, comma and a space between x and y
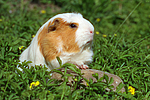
67, 36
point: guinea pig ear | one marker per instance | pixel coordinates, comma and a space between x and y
53, 26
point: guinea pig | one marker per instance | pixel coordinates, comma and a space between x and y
67, 36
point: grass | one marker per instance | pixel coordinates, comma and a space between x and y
121, 46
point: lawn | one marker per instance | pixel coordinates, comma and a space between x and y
121, 46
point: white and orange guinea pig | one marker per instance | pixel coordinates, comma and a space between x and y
67, 36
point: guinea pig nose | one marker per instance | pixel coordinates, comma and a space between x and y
91, 32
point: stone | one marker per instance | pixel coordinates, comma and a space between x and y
87, 73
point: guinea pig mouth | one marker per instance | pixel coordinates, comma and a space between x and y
88, 42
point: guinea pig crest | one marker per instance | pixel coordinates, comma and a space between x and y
67, 36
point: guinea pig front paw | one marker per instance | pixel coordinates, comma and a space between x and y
83, 66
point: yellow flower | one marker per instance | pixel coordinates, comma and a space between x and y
37, 83
132, 90
87, 83
75, 79
98, 19
34, 84
1, 20
104, 35
21, 47
97, 32
43, 11
33, 36
115, 34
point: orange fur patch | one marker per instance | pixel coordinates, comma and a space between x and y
63, 37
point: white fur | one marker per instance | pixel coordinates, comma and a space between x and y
83, 35
32, 53
78, 58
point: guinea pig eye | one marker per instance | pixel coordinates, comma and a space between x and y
73, 25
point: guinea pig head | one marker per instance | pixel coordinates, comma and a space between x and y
85, 32
66, 32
